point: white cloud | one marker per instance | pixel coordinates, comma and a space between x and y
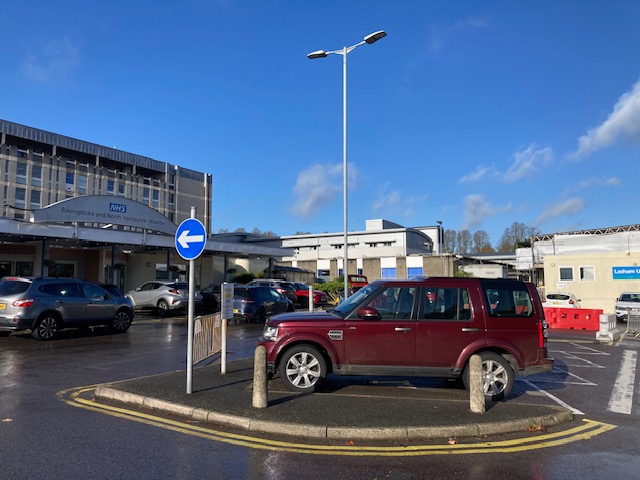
600, 182
440, 36
318, 186
570, 206
527, 162
57, 61
480, 172
623, 121
477, 209
395, 204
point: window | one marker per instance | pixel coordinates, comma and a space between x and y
20, 198
36, 175
587, 274
509, 303
389, 273
395, 303
82, 184
21, 173
156, 199
24, 268
34, 201
414, 272
446, 304
70, 182
566, 274
110, 187
121, 189
145, 195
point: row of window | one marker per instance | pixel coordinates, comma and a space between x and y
586, 274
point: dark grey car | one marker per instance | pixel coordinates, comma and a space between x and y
47, 305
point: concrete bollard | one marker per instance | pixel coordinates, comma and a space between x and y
476, 385
260, 378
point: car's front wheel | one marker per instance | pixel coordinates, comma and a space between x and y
497, 376
46, 328
303, 369
121, 322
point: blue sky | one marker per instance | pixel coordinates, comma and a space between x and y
478, 114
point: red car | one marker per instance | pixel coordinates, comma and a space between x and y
422, 327
302, 292
356, 282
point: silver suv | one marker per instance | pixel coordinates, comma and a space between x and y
47, 305
163, 296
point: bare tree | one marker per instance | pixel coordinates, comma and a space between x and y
517, 233
450, 240
464, 241
481, 243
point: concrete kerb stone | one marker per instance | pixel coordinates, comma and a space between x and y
318, 431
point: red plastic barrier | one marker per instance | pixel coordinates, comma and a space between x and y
573, 318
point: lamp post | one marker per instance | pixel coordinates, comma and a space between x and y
441, 243
369, 39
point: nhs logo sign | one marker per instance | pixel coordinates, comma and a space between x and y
117, 207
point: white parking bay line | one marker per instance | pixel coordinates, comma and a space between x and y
575, 411
621, 399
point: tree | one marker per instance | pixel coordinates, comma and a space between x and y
514, 235
464, 241
450, 240
480, 242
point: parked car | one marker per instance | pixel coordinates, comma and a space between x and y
112, 289
356, 282
560, 300
392, 327
47, 305
211, 297
302, 294
625, 301
163, 296
285, 288
255, 304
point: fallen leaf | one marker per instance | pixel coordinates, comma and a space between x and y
7, 420
452, 441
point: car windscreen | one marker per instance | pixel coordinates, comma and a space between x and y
346, 307
630, 297
557, 296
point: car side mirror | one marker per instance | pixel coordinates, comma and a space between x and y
368, 313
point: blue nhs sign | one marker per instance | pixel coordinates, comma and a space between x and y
626, 273
117, 207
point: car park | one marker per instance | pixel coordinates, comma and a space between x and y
626, 301
254, 304
422, 327
560, 300
285, 288
47, 305
163, 297
302, 294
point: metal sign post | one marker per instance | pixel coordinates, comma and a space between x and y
226, 312
190, 241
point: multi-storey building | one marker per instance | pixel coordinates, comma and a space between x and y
68, 209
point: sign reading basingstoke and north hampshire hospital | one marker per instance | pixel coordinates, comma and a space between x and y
626, 273
105, 209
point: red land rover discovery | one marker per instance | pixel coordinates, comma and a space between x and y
421, 327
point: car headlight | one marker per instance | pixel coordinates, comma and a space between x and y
270, 333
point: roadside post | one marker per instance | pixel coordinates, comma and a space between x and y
311, 298
190, 241
227, 312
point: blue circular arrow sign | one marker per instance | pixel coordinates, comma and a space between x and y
191, 238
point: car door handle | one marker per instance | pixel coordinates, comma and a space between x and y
470, 329
403, 329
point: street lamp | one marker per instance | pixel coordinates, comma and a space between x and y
441, 243
369, 39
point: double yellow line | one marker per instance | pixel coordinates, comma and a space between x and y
585, 431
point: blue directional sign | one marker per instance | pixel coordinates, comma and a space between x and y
191, 238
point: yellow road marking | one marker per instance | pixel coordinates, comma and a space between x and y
588, 429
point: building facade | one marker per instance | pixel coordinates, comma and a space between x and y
75, 208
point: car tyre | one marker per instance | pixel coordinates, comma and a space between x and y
303, 369
46, 328
498, 376
121, 322
163, 308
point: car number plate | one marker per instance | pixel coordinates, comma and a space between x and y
235, 310
3, 306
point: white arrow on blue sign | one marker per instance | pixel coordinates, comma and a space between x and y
191, 238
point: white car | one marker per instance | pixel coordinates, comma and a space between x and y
625, 301
560, 300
